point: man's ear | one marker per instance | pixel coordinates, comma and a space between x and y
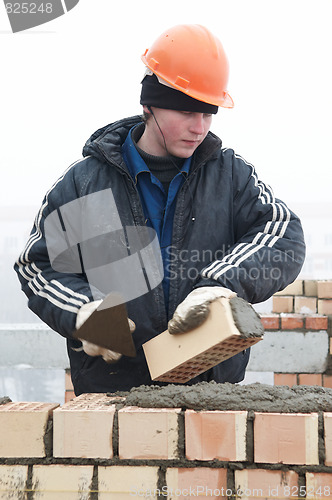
146, 109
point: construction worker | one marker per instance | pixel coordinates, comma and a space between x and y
220, 230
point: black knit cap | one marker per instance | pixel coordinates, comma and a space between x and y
158, 95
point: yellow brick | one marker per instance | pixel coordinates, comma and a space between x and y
124, 482
283, 304
325, 306
310, 288
324, 289
13, 480
305, 305
83, 428
22, 429
328, 438
295, 288
148, 433
70, 482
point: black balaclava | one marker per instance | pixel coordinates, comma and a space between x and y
159, 95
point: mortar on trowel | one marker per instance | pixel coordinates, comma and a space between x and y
231, 326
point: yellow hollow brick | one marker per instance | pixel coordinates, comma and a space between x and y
124, 482
286, 438
259, 484
216, 435
295, 288
22, 428
283, 304
324, 289
13, 481
179, 358
83, 428
54, 482
148, 433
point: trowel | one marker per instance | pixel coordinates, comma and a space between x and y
108, 327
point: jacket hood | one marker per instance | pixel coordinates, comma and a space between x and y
107, 141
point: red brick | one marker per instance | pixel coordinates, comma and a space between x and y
325, 306
283, 304
319, 485
69, 396
270, 321
83, 428
216, 435
68, 381
260, 484
324, 289
198, 481
327, 381
22, 428
316, 322
286, 438
148, 433
289, 379
310, 379
305, 305
291, 321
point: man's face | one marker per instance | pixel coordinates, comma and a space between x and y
182, 131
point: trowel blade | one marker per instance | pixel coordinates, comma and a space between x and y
108, 327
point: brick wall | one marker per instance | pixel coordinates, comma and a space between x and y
297, 344
94, 447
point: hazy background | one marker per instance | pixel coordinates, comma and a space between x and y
63, 80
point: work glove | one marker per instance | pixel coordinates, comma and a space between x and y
194, 310
88, 347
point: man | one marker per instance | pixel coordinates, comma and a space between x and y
220, 230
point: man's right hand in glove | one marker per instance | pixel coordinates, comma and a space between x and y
88, 347
195, 308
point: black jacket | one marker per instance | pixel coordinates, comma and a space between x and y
228, 230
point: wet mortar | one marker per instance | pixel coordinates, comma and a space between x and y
246, 319
4, 400
213, 396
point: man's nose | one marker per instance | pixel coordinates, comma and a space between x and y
197, 123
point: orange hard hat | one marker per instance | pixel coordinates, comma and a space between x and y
191, 59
